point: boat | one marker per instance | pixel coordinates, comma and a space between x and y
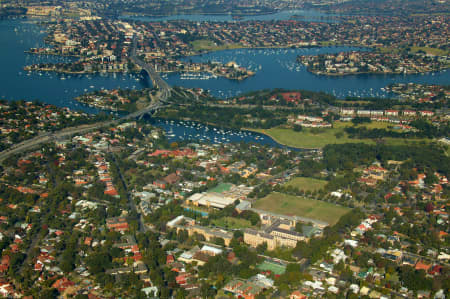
197, 76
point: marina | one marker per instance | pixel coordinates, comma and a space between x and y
61, 89
197, 76
292, 75
194, 131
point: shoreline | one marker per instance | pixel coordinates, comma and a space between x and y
320, 73
69, 72
263, 132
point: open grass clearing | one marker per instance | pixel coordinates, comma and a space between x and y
310, 139
280, 203
428, 50
319, 137
307, 184
371, 125
209, 45
231, 223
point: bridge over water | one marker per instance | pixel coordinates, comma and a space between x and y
164, 89
159, 101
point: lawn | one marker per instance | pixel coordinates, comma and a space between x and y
294, 205
307, 184
221, 188
371, 125
209, 45
428, 50
310, 139
232, 223
275, 268
432, 51
318, 138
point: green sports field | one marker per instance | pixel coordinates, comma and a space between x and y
276, 269
298, 206
221, 188
307, 184
318, 138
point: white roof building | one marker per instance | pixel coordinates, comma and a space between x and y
175, 221
211, 199
211, 250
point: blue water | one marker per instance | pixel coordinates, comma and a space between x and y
188, 130
16, 84
307, 15
280, 70
276, 68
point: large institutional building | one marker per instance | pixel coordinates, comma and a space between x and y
188, 224
219, 197
279, 233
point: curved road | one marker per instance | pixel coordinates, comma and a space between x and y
47, 137
164, 91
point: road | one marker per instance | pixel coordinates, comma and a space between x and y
164, 92
132, 205
47, 137
164, 89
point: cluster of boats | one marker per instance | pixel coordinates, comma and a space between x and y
197, 76
188, 130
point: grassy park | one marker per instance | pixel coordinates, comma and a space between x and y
310, 139
319, 137
294, 205
232, 223
307, 184
209, 45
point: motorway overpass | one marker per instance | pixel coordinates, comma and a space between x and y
164, 89
49, 136
164, 92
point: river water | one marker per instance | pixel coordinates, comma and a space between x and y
189, 130
276, 68
18, 36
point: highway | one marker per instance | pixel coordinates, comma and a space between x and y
164, 89
164, 92
47, 137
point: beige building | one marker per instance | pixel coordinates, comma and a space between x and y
188, 224
210, 200
254, 238
210, 233
43, 10
280, 233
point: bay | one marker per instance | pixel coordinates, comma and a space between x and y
20, 35
275, 68
194, 131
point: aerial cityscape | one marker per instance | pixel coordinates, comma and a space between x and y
224, 149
